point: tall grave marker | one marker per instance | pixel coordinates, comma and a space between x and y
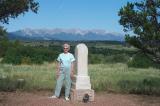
81, 84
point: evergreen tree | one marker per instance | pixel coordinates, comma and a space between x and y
2, 34
13, 8
143, 19
3, 41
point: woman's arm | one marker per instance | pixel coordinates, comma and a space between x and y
72, 68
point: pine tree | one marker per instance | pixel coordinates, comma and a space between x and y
13, 8
143, 20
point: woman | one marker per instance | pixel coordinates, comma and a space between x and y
65, 70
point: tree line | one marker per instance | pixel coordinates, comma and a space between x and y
141, 18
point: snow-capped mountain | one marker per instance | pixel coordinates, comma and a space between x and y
64, 34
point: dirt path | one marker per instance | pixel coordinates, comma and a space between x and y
101, 99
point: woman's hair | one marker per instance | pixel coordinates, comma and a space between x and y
66, 45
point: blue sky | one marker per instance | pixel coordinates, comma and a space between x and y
83, 14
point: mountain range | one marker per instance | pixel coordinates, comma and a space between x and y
65, 34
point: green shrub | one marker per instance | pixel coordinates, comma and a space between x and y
140, 61
12, 56
119, 58
29, 55
26, 60
96, 59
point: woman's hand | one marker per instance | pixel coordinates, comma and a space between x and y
72, 70
57, 75
72, 74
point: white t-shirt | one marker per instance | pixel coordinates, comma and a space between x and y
65, 60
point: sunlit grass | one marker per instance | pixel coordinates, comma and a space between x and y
35, 76
119, 78
115, 77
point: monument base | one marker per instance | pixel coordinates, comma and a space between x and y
78, 95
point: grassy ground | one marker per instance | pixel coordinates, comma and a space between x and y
119, 78
35, 76
115, 77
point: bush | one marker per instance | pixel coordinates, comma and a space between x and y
29, 55
12, 56
141, 61
119, 58
26, 60
96, 59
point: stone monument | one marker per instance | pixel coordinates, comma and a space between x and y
81, 83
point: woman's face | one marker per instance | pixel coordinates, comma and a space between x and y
65, 49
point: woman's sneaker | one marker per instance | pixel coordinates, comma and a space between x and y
66, 98
53, 97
